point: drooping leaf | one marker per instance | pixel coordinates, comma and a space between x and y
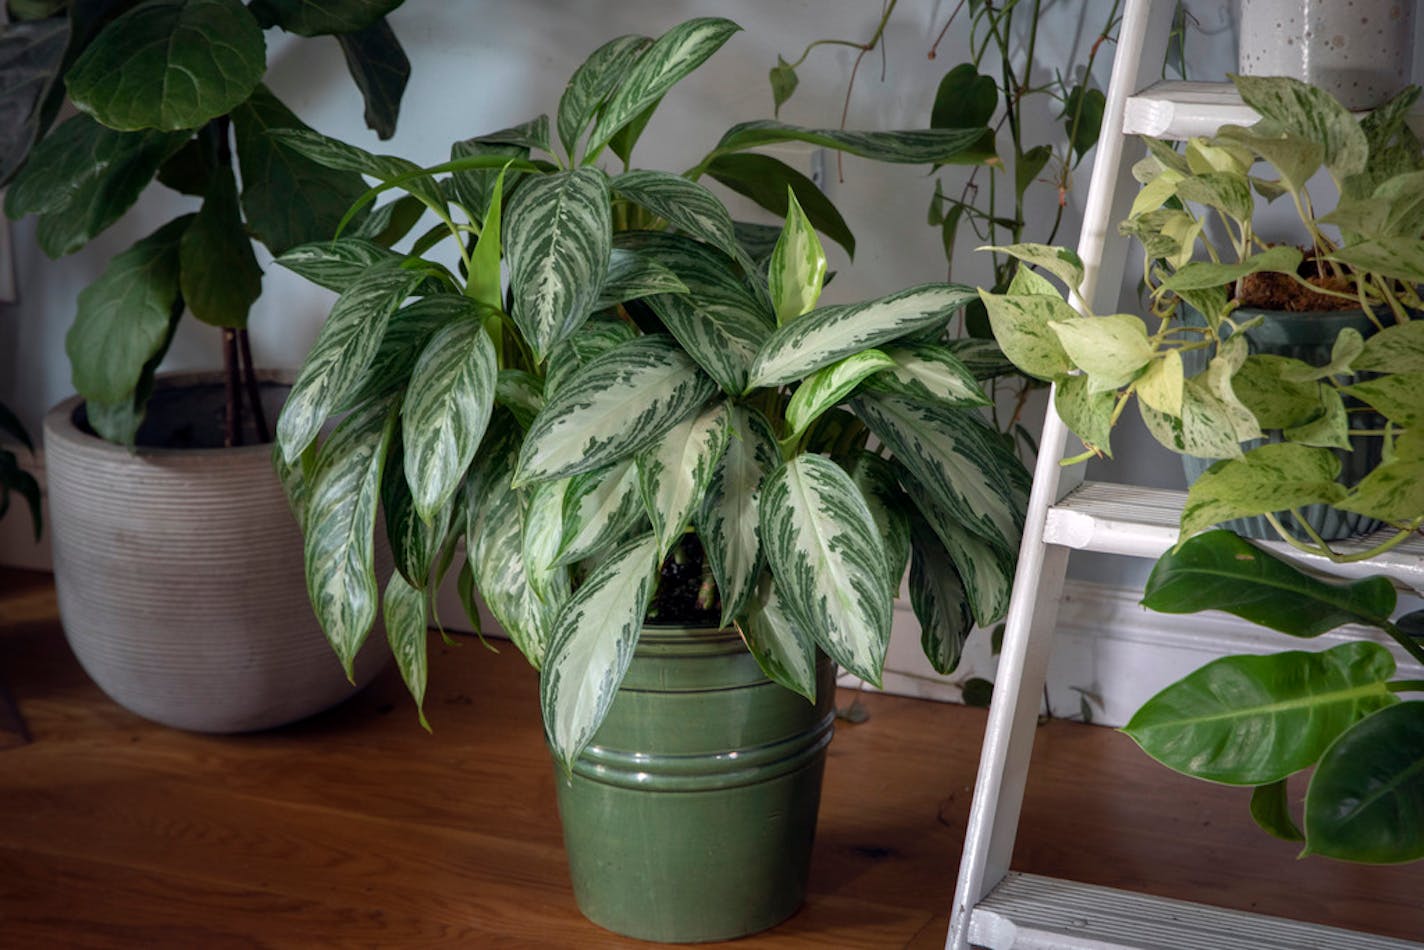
828, 386
1112, 350
1083, 118
1087, 414
169, 64
1270, 809
827, 556
1396, 349
888, 505
765, 180
938, 599
342, 156
685, 205
591, 646
404, 610
218, 271
972, 146
1392, 492
601, 508
336, 264
620, 403
320, 17
1199, 275
674, 473
1399, 397
798, 265
415, 543
1269, 478
381, 70
1311, 113
1061, 262
785, 652
591, 83
783, 81
407, 334
31, 57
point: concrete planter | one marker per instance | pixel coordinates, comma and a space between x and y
179, 572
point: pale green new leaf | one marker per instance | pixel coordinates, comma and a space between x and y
1401, 257
593, 639
1022, 324
1199, 275
826, 554
685, 205
932, 372
1396, 349
831, 333
600, 509
447, 407
828, 386
798, 265
623, 401
1112, 350
673, 475
1087, 414
1061, 262
340, 527
557, 239
1204, 428
728, 523
405, 614
591, 83
1269, 478
1399, 397
785, 652
1229, 358
484, 278
1161, 386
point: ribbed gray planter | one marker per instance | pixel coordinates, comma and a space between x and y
179, 574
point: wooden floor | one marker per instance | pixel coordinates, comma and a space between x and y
357, 829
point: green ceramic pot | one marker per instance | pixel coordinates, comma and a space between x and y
691, 815
1307, 337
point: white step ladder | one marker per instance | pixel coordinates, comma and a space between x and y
993, 907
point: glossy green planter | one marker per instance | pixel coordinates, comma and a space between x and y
691, 815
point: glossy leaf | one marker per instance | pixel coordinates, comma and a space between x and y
1253, 720
674, 473
1269, 478
340, 526
938, 599
1270, 809
632, 275
728, 524
785, 652
381, 70
589, 86
592, 644
558, 239
320, 17
965, 99
932, 372
169, 64
403, 608
407, 334
971, 146
828, 387
766, 180
31, 57
798, 265
1112, 350
542, 532
826, 554
620, 403
687, 206
1023, 325
880, 486
484, 278
218, 271
415, 543
600, 509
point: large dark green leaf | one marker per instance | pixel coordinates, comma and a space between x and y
289, 199
30, 58
965, 99
960, 146
13, 478
1253, 720
82, 177
381, 70
319, 17
765, 180
1366, 800
220, 276
591, 83
170, 64
1270, 809
1220, 571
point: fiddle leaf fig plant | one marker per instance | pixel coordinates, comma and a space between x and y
616, 378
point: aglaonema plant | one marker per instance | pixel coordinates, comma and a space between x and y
617, 364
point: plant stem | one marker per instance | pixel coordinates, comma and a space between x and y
232, 416
1405, 686
254, 391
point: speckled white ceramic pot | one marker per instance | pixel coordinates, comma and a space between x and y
179, 575
1361, 51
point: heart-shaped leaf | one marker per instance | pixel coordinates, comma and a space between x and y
1269, 478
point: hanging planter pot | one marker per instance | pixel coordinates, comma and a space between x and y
1362, 51
179, 570
691, 815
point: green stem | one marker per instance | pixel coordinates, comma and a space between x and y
1405, 686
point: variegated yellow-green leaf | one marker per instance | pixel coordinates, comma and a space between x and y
826, 554
671, 57
1347, 347
674, 473
1022, 325
620, 403
728, 523
344, 349
591, 83
1269, 478
1088, 415
632, 275
939, 601
684, 204
414, 543
880, 487
785, 652
557, 238
1161, 386
1399, 397
831, 333
1204, 428
340, 527
494, 518
404, 609
447, 407
1396, 349
542, 535
1392, 492
1112, 350
1311, 113
1229, 358
929, 371
592, 644
484, 282
1330, 429
1200, 275
828, 386
600, 509
1058, 261
798, 265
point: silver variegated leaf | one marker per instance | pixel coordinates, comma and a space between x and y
405, 613
785, 652
557, 239
521, 393
340, 526
674, 474
591, 83
620, 403
927, 371
592, 644
295, 479
542, 536
826, 554
828, 386
344, 157
344, 350
632, 275
447, 407
963, 464
831, 333
728, 522
910, 146
684, 204
939, 601
335, 264
797, 269
409, 330
593, 338
671, 57
600, 509
880, 486
414, 543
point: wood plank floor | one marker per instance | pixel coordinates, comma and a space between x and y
355, 828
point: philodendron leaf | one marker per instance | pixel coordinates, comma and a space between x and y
600, 509
1399, 397
673, 475
340, 527
592, 644
344, 349
381, 70
1396, 349
447, 407
1023, 324
1253, 720
1221, 571
929, 371
405, 614
798, 265
1087, 414
1311, 113
880, 487
1199, 275
826, 554
591, 83
972, 146
31, 61
728, 522
671, 57
828, 386
685, 205
1112, 350
219, 273
557, 237
831, 333
939, 601
785, 652
1270, 809
82, 177
620, 403
1366, 800
632, 275
124, 317
1269, 478
1061, 262
321, 17
169, 64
